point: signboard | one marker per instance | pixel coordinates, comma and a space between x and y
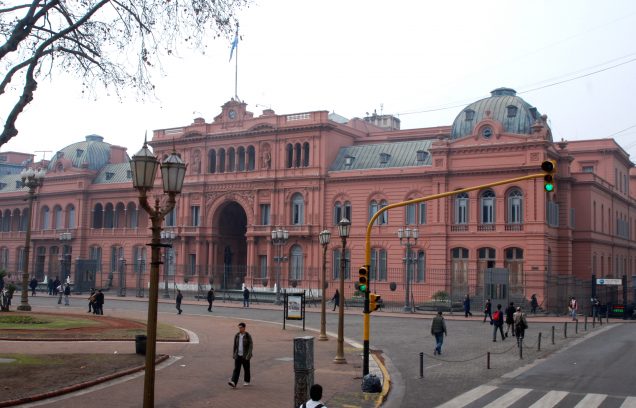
294, 307
603, 281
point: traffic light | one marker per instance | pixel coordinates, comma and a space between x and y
549, 167
363, 279
375, 301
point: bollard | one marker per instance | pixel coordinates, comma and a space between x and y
421, 365
593, 322
520, 344
565, 330
488, 360
576, 327
607, 316
303, 368
585, 324
553, 335
539, 342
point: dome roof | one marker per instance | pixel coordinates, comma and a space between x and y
514, 114
91, 154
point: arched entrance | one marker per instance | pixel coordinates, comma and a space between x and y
231, 246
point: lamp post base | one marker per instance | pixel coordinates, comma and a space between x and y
323, 337
24, 308
340, 360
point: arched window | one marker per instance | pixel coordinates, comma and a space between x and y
459, 266
241, 158
384, 217
305, 154
488, 207
120, 216
24, 219
131, 215
296, 263
346, 208
45, 221
420, 275
336, 263
212, 161
297, 155
298, 209
374, 207
5, 220
515, 207
15, 220
231, 158
109, 212
4, 258
57, 217
514, 263
289, 150
251, 158
95, 254
70, 216
337, 212
461, 208
221, 160
415, 214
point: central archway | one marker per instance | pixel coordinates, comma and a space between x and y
232, 245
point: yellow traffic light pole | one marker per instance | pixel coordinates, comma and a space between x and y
367, 248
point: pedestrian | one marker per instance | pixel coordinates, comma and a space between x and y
498, 322
467, 306
51, 286
60, 292
510, 319
246, 297
534, 303
98, 306
179, 299
315, 394
488, 310
91, 300
572, 308
336, 300
33, 284
521, 324
242, 353
595, 306
67, 293
210, 298
438, 329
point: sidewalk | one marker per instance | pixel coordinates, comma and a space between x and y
197, 373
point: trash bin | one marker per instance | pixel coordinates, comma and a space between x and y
140, 344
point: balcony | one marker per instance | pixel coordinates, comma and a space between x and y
514, 227
486, 227
459, 228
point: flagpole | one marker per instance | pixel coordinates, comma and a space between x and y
236, 66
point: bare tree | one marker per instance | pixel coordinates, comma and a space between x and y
112, 42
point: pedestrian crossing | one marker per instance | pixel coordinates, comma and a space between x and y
497, 397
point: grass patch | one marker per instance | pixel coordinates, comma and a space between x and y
44, 322
31, 359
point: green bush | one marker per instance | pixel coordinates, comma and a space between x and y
440, 296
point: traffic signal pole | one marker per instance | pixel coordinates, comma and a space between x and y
367, 246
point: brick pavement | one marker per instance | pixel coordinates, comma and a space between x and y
196, 375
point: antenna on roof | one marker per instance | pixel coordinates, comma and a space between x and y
381, 109
44, 152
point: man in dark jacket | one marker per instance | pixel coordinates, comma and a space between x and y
488, 310
510, 311
98, 306
498, 322
210, 299
242, 354
179, 300
33, 284
438, 329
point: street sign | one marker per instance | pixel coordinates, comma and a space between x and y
603, 281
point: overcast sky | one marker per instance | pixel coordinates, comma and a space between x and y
574, 60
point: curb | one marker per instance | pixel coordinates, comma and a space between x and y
79, 386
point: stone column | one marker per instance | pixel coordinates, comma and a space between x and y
303, 368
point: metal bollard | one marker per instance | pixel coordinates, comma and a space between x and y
565, 330
552, 334
488, 360
303, 368
421, 365
576, 327
539, 342
585, 324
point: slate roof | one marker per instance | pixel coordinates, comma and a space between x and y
93, 153
9, 183
114, 173
369, 156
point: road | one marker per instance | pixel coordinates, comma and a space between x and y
463, 367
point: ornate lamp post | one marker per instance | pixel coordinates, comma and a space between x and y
406, 235
167, 237
279, 239
144, 169
31, 179
343, 230
324, 237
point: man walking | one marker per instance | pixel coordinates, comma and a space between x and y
488, 310
573, 307
67, 293
467, 306
179, 299
498, 321
521, 324
246, 297
98, 306
242, 353
33, 284
210, 298
336, 300
438, 329
510, 319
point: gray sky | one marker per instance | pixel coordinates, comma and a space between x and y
575, 60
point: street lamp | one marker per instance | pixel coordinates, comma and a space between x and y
406, 235
324, 237
343, 230
122, 276
31, 179
167, 237
144, 169
279, 239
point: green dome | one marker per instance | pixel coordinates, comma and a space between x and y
91, 154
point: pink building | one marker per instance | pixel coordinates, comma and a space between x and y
249, 175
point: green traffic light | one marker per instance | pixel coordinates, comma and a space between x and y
363, 288
549, 187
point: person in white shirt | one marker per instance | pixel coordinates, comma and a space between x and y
315, 394
242, 354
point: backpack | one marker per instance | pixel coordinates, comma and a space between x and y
317, 406
496, 315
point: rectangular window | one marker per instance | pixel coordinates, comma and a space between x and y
572, 218
192, 264
410, 214
337, 266
265, 214
378, 265
262, 266
422, 213
337, 214
588, 169
194, 215
171, 218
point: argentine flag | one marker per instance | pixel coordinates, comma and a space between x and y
234, 43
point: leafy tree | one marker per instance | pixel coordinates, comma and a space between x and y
112, 42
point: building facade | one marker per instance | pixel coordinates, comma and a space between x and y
249, 175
